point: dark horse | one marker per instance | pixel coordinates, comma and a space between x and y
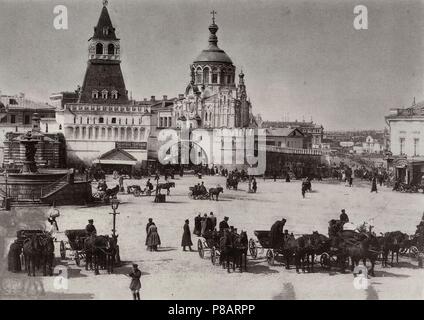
308, 246
232, 182
367, 248
392, 242
215, 192
239, 251
47, 255
32, 250
165, 186
100, 252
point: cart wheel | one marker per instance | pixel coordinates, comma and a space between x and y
213, 255
325, 260
414, 251
62, 250
270, 257
77, 259
200, 249
252, 249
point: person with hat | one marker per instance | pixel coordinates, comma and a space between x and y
90, 229
344, 217
52, 229
152, 239
204, 224
276, 234
197, 225
186, 241
224, 224
135, 284
212, 220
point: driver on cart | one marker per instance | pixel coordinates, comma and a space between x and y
90, 229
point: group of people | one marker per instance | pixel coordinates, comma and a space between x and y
204, 224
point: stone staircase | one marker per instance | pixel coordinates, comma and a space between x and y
54, 187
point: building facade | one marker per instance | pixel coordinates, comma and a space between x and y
406, 129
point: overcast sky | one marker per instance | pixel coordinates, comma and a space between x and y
301, 59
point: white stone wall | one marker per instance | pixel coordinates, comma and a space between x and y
408, 129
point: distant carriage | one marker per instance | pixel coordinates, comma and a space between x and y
196, 195
232, 182
106, 196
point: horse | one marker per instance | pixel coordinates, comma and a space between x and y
225, 247
215, 192
166, 186
239, 251
393, 243
32, 252
47, 255
368, 248
97, 252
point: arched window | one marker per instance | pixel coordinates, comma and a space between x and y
101, 120
114, 94
104, 94
99, 48
60, 127
95, 94
111, 49
199, 76
206, 116
214, 75
206, 75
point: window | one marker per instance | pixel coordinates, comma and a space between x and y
60, 127
416, 147
199, 76
27, 119
214, 78
206, 75
47, 127
111, 49
95, 94
113, 120
12, 118
104, 94
402, 145
99, 48
101, 120
114, 94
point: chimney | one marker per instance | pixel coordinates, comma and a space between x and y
152, 98
36, 122
165, 97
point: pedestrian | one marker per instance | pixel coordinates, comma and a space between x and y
287, 177
197, 225
350, 181
374, 185
204, 224
213, 220
254, 185
224, 224
186, 241
135, 284
152, 239
121, 183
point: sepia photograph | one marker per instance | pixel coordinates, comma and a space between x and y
211, 150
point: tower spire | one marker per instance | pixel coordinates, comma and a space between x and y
213, 28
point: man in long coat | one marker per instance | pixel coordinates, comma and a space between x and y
224, 224
213, 220
186, 241
197, 225
276, 234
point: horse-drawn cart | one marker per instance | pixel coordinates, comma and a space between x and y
75, 244
209, 242
262, 243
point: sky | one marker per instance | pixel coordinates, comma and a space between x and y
301, 59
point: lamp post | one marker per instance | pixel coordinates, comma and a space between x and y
115, 205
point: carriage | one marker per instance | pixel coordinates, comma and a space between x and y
75, 244
105, 196
196, 196
22, 235
209, 242
232, 182
264, 243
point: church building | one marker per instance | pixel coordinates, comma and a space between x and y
212, 98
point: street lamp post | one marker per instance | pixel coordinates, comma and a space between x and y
115, 205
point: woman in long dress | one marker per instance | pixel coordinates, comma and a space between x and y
186, 241
153, 239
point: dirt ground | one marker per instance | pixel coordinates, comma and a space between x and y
174, 274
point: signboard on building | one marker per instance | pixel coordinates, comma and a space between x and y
131, 145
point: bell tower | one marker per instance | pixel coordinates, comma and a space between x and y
103, 81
